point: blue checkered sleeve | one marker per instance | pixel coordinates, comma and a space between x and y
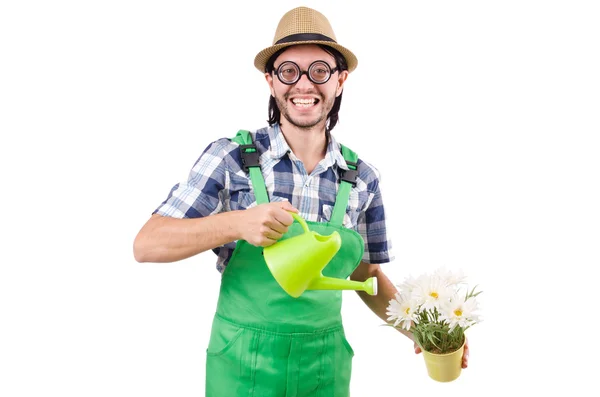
371, 224
206, 190
201, 194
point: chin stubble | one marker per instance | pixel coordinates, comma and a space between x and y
283, 108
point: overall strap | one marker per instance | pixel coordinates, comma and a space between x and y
251, 165
347, 181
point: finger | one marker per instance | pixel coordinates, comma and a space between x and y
417, 349
286, 205
267, 242
278, 226
269, 233
284, 219
274, 235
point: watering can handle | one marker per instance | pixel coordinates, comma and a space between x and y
300, 220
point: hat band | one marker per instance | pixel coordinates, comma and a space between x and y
304, 37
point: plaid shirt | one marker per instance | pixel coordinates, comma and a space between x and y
217, 183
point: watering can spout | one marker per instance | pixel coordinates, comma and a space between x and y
296, 263
369, 286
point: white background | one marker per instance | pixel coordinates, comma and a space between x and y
493, 111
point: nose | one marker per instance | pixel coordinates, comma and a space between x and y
304, 81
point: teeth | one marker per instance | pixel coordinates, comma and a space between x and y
303, 102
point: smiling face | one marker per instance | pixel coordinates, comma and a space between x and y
305, 104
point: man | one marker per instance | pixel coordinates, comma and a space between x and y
239, 198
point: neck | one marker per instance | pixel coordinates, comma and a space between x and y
308, 144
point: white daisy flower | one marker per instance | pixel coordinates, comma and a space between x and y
460, 312
408, 286
433, 291
451, 278
402, 311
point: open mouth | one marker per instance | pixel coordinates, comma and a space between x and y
305, 102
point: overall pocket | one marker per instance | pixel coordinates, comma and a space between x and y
225, 377
344, 355
337, 366
347, 344
223, 337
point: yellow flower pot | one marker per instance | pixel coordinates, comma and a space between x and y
444, 367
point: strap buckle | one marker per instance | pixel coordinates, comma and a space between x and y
250, 156
350, 175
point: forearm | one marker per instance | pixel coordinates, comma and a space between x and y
166, 239
385, 292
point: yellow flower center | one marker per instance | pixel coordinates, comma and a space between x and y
458, 312
434, 295
407, 310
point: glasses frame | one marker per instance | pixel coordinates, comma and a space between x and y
301, 72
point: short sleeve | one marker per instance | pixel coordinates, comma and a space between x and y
202, 194
372, 227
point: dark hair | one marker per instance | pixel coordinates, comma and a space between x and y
332, 117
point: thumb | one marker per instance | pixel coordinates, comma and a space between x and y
417, 348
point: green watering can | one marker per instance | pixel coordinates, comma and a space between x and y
297, 263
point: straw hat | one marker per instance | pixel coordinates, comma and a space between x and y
303, 25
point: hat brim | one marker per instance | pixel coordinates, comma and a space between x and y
261, 59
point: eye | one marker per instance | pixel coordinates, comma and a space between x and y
319, 71
288, 71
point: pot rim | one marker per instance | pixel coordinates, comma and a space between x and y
445, 354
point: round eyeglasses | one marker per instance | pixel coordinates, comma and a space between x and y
318, 72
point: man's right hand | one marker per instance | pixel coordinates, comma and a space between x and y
264, 224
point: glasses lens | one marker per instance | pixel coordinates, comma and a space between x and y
288, 72
319, 72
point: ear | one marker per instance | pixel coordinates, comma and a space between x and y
342, 76
269, 78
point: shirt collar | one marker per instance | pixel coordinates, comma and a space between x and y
279, 147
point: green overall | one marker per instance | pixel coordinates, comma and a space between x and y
265, 343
